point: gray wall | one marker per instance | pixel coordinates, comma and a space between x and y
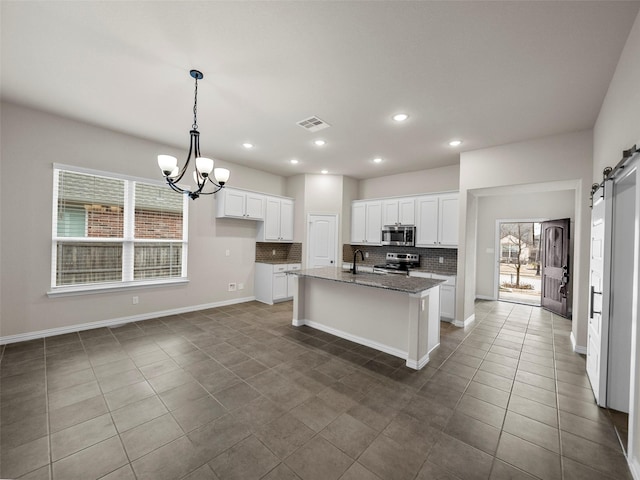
31, 142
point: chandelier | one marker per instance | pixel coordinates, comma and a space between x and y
203, 166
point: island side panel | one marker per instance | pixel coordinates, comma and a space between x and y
298, 301
370, 316
434, 319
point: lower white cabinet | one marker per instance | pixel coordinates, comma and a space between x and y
447, 293
272, 284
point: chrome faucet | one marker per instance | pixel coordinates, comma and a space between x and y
354, 269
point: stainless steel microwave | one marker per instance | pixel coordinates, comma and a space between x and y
401, 235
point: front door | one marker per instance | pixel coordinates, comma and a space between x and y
555, 266
598, 327
322, 241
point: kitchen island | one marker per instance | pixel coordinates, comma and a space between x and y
396, 314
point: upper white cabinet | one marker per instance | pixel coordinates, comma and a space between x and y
437, 220
448, 220
366, 223
234, 203
278, 221
427, 221
399, 211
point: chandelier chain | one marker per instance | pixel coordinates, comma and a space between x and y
195, 107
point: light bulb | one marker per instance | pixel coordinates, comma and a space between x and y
204, 166
167, 164
222, 175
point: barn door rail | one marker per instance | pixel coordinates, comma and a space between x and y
609, 173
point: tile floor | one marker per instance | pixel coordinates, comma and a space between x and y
237, 393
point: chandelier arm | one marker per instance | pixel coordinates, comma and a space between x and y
174, 187
197, 145
184, 168
216, 189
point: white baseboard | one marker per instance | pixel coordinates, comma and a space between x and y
354, 338
634, 467
22, 337
467, 322
485, 297
577, 348
419, 364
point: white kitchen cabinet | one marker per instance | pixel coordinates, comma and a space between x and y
272, 284
235, 203
366, 223
427, 221
447, 293
278, 221
437, 220
399, 211
448, 220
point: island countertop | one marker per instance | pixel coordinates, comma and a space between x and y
400, 283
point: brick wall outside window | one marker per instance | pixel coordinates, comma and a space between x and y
150, 224
108, 222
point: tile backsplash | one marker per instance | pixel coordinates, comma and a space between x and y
278, 252
429, 257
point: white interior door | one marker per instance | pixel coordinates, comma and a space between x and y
599, 272
322, 240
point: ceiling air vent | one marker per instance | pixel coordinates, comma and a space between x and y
313, 124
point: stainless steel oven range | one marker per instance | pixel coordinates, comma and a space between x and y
400, 263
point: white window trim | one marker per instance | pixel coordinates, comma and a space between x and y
128, 242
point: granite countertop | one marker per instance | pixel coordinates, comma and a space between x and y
435, 271
400, 283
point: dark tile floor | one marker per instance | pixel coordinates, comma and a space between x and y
238, 393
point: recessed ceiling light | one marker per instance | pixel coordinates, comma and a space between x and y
247, 145
455, 143
324, 172
293, 161
377, 160
400, 117
320, 143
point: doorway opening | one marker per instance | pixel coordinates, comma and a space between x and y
518, 252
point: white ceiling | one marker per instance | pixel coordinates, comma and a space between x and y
489, 73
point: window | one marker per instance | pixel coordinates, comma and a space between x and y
111, 231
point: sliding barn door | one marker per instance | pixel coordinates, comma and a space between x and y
598, 326
555, 266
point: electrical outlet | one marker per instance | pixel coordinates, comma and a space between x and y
134, 300
273, 252
227, 252
241, 286
366, 255
441, 259
232, 287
